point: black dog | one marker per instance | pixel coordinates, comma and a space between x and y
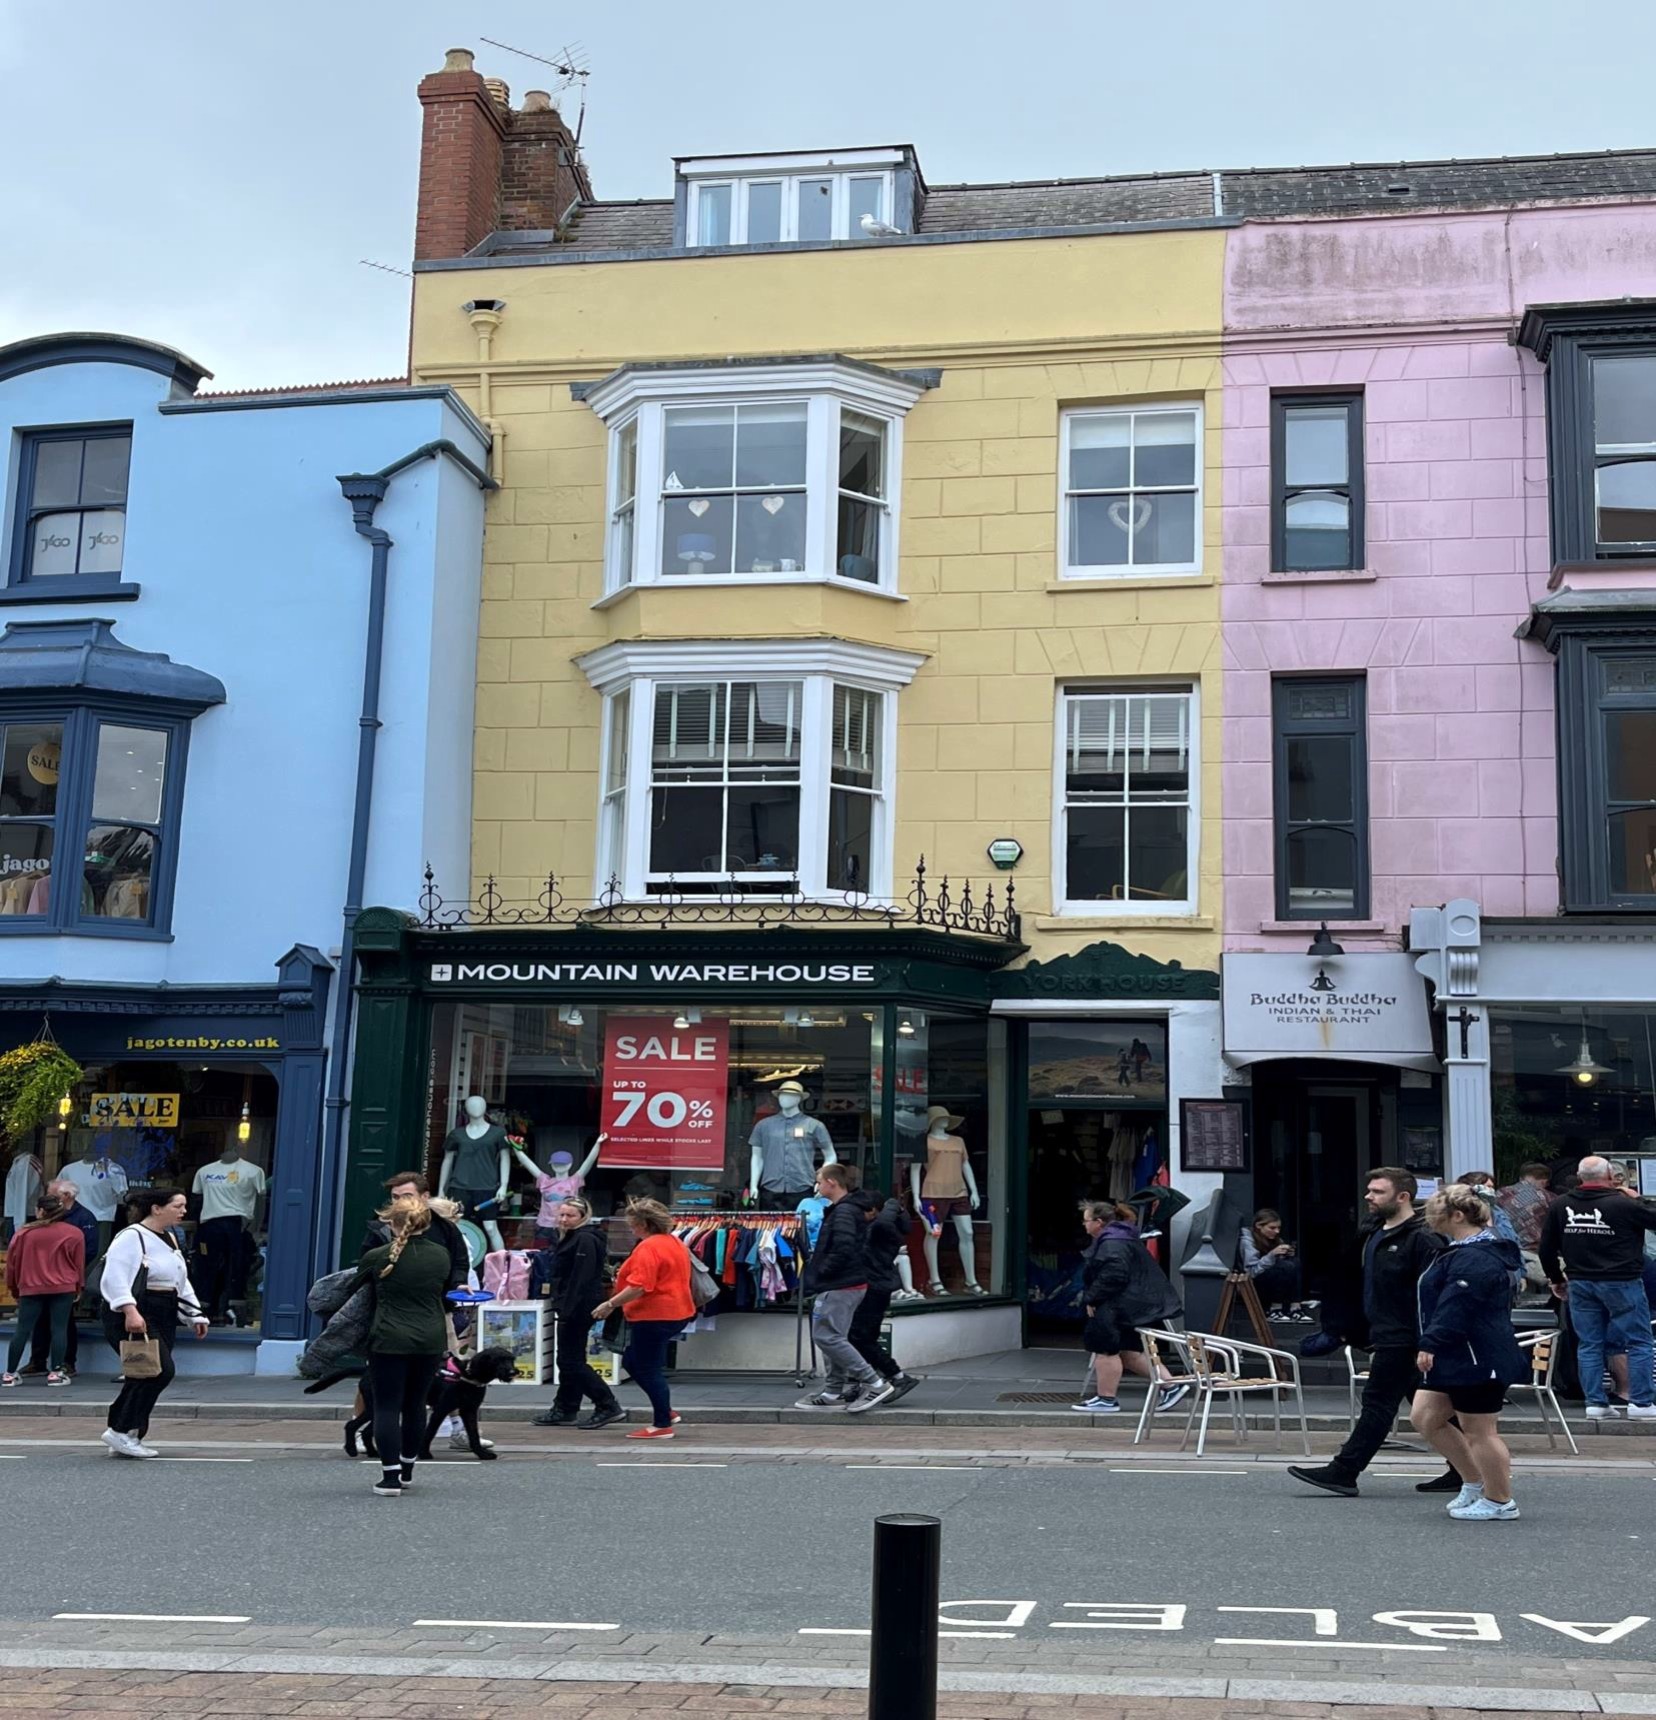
452, 1393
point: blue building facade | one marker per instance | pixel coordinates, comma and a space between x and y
237, 647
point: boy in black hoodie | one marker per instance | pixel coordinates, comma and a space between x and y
1396, 1251
886, 1236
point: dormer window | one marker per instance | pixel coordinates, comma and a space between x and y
789, 200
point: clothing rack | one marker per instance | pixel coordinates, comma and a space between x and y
786, 1223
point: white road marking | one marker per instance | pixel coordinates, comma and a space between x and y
998, 1635
659, 1463
1144, 1469
17, 1457
201, 1460
920, 1466
823, 1630
505, 1624
1325, 1642
162, 1618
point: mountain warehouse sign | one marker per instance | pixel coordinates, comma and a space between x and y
1362, 1008
654, 973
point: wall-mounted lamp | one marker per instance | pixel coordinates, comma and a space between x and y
570, 1016
905, 1028
244, 1129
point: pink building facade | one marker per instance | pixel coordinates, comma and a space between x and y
1420, 314
1486, 992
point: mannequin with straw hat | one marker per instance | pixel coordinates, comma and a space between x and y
946, 1183
783, 1169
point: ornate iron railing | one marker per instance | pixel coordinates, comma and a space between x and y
941, 907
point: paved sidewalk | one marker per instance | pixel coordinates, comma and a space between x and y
1014, 1389
406, 1692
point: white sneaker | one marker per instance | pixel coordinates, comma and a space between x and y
1470, 1490
1605, 1412
871, 1397
139, 1449
120, 1444
459, 1442
1483, 1510
1641, 1412
821, 1400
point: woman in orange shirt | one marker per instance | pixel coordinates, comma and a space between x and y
653, 1290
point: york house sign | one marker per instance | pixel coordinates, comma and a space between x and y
654, 973
1360, 1008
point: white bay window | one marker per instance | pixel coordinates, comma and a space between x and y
762, 766
754, 473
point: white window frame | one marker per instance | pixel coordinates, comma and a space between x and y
1130, 908
639, 668
1132, 570
790, 179
639, 398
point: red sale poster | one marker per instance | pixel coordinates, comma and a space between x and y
664, 1093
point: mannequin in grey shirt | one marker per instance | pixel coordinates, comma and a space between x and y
782, 1145
477, 1163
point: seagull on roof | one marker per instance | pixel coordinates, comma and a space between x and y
878, 229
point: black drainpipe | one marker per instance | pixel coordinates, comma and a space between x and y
364, 491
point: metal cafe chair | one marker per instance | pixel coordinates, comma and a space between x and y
1213, 1369
1543, 1358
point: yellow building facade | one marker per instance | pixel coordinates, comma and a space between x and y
843, 524
1020, 331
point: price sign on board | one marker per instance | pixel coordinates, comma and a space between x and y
664, 1093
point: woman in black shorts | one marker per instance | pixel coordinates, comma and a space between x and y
1468, 1353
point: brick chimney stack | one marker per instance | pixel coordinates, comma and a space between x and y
461, 142
485, 167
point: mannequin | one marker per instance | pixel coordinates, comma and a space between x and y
25, 1183
782, 1172
478, 1164
556, 1182
102, 1185
948, 1184
230, 1190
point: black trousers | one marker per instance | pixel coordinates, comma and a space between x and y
1392, 1378
222, 1259
864, 1333
400, 1385
135, 1403
38, 1350
577, 1378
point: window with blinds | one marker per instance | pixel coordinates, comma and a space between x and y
1129, 797
725, 782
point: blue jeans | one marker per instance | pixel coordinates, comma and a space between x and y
645, 1358
1611, 1316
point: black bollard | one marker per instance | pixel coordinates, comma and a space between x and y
902, 1655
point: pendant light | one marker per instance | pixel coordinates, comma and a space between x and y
1583, 1070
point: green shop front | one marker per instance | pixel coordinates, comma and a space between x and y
723, 1064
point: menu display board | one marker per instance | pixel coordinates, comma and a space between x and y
1213, 1135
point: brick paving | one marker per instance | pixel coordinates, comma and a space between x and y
26, 1695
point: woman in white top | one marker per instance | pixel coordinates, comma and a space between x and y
151, 1308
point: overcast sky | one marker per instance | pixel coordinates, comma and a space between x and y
209, 172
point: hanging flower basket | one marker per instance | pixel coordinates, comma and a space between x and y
33, 1080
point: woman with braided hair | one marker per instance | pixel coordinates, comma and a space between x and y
407, 1338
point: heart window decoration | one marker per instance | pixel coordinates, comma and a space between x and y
699, 507
774, 504
1138, 509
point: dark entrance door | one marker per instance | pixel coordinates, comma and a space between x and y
1320, 1129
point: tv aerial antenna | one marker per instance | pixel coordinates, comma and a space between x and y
571, 67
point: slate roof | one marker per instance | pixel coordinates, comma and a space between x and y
1258, 194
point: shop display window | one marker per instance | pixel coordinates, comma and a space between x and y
710, 1108
1568, 1083
208, 1130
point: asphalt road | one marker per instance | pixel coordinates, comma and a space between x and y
661, 1543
